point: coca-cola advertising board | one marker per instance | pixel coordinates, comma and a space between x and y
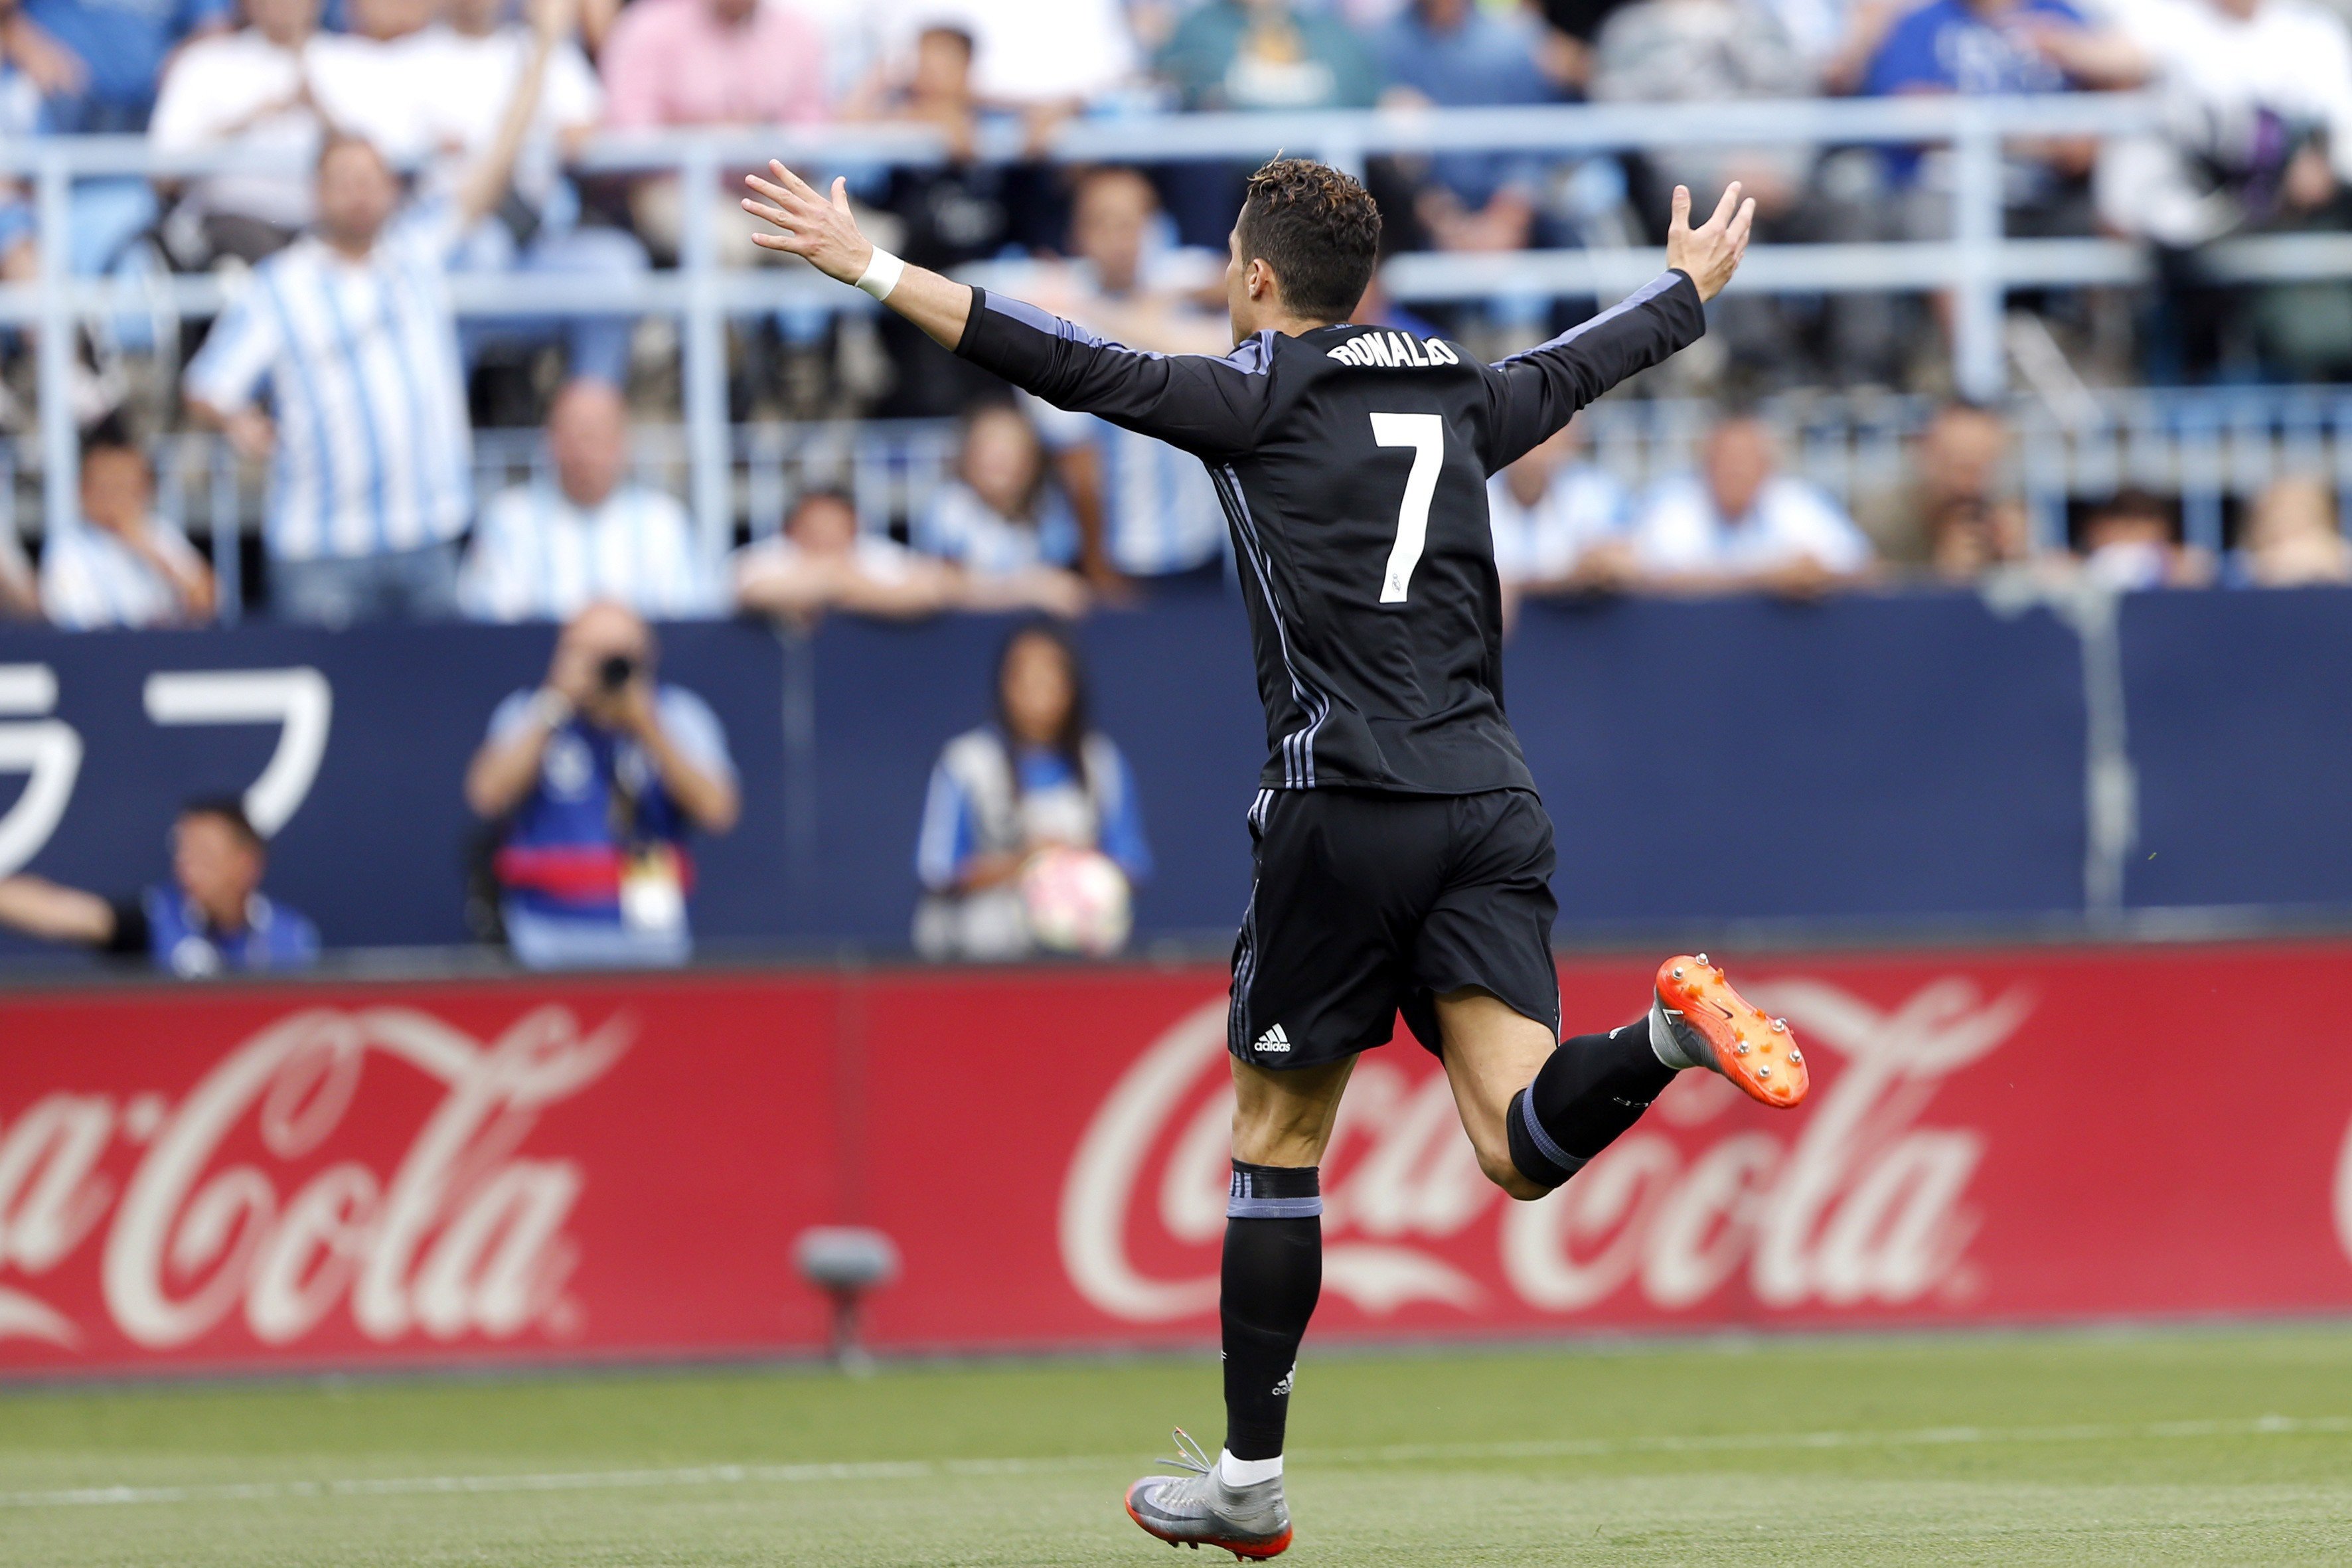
439, 1172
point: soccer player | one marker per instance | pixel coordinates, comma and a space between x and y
1404, 860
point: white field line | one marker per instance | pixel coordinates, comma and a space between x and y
925, 1469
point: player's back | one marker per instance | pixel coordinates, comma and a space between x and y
1367, 560
1352, 464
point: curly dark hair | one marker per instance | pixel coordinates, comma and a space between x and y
1319, 229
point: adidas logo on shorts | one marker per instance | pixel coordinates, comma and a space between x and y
1273, 1043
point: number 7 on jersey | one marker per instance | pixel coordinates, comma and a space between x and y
1426, 433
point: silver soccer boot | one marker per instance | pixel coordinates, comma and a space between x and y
1198, 1509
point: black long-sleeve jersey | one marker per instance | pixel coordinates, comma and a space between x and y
1352, 463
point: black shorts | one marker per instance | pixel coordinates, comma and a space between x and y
1365, 905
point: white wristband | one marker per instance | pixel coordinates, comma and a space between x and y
881, 274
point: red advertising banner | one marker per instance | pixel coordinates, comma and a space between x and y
204, 1177
430, 1173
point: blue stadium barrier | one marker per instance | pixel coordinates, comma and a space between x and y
1890, 761
1900, 757
2240, 708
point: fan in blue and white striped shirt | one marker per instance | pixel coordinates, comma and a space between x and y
361, 357
352, 329
547, 550
1159, 514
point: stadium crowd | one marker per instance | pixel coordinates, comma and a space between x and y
426, 137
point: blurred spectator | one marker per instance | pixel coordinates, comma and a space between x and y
1985, 47
547, 550
709, 62
352, 332
1571, 28
476, 62
375, 80
822, 561
1561, 522
2257, 134
120, 564
1450, 53
20, 595
2294, 539
598, 779
1038, 777
947, 215
1145, 511
1002, 519
96, 61
2261, 121
1739, 524
2132, 541
1959, 505
1055, 55
244, 93
953, 212
1267, 53
212, 920
1707, 51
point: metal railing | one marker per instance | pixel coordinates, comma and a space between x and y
2216, 450
1977, 268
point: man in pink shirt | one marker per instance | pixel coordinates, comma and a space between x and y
709, 62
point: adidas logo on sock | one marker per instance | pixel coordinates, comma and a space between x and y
1282, 1389
1273, 1042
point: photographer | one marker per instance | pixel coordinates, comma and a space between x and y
598, 777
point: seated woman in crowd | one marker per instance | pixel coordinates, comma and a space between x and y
1037, 778
1002, 519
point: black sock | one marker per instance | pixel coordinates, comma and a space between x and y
1592, 1088
1272, 1272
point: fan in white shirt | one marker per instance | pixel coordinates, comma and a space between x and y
548, 550
245, 93
374, 81
121, 565
470, 64
1034, 53
2236, 75
1560, 523
1740, 525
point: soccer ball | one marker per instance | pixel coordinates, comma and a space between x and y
1077, 901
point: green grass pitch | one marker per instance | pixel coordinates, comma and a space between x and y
2209, 1446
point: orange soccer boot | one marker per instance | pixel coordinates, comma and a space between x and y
1714, 1027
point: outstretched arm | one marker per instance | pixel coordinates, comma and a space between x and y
1191, 401
484, 185
38, 907
825, 233
1536, 394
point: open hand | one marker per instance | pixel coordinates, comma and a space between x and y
809, 225
1711, 252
